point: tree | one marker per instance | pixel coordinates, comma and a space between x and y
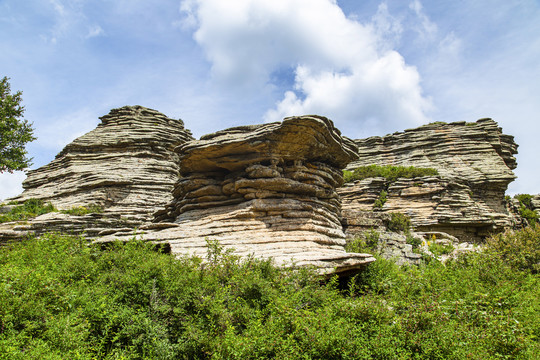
15, 131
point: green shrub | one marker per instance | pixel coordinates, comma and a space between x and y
530, 215
519, 249
415, 242
365, 243
526, 209
524, 200
389, 172
29, 209
62, 298
381, 200
399, 222
441, 249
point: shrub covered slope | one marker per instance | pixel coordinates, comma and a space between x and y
63, 299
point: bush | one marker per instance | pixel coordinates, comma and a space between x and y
61, 298
366, 243
526, 209
414, 241
519, 249
441, 249
29, 209
389, 172
399, 222
379, 203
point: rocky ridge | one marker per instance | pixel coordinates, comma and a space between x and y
265, 190
474, 162
274, 190
126, 166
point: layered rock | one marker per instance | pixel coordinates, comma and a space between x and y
474, 162
127, 166
265, 190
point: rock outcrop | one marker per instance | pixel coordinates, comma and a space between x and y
126, 166
265, 190
466, 200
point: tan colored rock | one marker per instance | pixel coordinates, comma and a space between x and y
474, 161
127, 165
265, 190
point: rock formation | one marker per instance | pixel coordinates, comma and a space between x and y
127, 166
466, 200
265, 190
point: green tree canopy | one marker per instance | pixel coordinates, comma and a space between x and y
15, 131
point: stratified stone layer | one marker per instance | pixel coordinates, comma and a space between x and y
267, 190
474, 161
127, 165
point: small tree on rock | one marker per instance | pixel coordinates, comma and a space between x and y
15, 132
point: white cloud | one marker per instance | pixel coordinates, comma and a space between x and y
343, 68
10, 184
387, 27
426, 28
70, 21
93, 31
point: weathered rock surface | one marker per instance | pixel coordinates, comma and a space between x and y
474, 161
267, 190
127, 166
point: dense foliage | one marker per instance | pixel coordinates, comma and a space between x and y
15, 132
389, 172
526, 209
35, 207
63, 299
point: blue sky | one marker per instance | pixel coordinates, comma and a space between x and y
374, 67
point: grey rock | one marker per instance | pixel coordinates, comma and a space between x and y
265, 190
474, 161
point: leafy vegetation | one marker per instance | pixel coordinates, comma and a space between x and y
381, 200
526, 209
519, 249
15, 132
440, 249
399, 222
61, 298
35, 207
365, 243
391, 173
31, 208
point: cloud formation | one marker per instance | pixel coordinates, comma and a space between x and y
342, 69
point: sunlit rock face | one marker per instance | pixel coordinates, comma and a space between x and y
467, 199
127, 166
265, 190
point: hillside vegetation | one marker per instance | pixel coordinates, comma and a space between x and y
389, 172
63, 299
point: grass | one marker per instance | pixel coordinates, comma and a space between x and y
35, 207
390, 173
61, 298
31, 208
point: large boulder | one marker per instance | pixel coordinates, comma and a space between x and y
467, 198
265, 190
127, 167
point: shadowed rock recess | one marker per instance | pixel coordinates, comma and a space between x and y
127, 166
265, 190
474, 162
